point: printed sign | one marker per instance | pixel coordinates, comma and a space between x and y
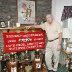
14, 42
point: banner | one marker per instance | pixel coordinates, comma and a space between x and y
15, 42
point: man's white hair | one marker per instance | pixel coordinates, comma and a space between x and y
49, 15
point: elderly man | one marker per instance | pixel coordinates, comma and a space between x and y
54, 34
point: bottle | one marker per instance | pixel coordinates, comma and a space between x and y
8, 24
4, 63
37, 61
28, 67
12, 64
21, 68
26, 58
5, 69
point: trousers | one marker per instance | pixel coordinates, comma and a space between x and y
52, 55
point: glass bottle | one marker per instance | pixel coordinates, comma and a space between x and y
21, 68
26, 58
4, 63
37, 61
28, 67
12, 64
5, 69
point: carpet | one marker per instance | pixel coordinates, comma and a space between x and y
62, 68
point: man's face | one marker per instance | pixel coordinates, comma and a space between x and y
49, 19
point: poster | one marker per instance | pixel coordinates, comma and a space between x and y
16, 42
26, 12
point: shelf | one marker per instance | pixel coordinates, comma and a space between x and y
12, 28
18, 29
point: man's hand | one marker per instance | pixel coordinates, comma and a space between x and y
59, 47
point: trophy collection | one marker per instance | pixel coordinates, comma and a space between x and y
12, 62
16, 54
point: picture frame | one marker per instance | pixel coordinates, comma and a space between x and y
26, 11
2, 24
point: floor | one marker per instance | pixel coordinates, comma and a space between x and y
62, 68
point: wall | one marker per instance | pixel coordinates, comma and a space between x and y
43, 7
8, 10
57, 8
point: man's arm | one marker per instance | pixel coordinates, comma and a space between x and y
60, 38
37, 26
60, 41
33, 26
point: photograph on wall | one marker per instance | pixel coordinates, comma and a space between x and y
2, 24
26, 12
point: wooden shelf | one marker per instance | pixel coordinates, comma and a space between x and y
12, 28
20, 29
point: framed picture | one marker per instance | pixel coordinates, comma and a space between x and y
2, 24
26, 11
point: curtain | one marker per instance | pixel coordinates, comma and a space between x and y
67, 13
